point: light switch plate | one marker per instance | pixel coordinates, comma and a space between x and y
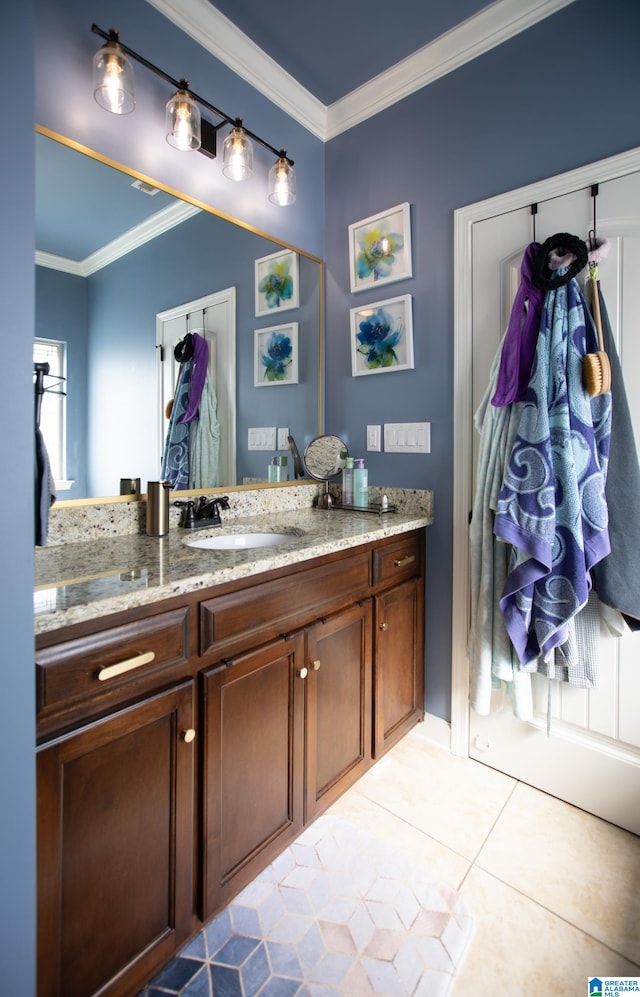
262, 438
283, 439
407, 437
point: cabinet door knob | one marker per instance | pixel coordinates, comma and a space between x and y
384, 626
301, 673
188, 735
315, 664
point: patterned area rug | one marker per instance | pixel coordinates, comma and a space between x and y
338, 913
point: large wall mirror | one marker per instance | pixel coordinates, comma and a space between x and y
116, 259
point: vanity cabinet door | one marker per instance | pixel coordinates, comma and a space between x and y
338, 705
251, 765
115, 848
398, 671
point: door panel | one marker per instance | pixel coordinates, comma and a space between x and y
591, 757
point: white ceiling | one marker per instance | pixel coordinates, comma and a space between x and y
299, 35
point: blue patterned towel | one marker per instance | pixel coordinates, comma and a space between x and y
552, 507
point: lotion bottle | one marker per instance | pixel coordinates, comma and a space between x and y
272, 470
347, 482
360, 484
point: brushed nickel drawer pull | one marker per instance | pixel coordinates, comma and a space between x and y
125, 666
400, 563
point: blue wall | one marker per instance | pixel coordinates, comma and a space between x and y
202, 255
17, 721
560, 95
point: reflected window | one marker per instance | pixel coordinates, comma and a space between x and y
54, 411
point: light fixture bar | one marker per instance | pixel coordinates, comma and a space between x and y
208, 148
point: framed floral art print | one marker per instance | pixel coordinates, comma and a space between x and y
380, 248
276, 355
382, 336
277, 282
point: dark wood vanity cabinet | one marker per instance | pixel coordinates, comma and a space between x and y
115, 848
181, 748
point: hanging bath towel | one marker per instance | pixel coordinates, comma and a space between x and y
552, 507
616, 579
175, 459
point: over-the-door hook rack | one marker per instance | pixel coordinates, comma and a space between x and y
595, 190
534, 212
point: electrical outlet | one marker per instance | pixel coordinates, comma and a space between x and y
373, 438
283, 439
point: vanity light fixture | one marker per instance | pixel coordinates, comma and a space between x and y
183, 120
237, 154
186, 130
282, 181
113, 77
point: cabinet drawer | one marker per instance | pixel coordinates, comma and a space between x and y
269, 609
108, 663
398, 560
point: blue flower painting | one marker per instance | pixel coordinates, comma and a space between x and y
380, 248
378, 253
382, 336
377, 338
276, 355
277, 282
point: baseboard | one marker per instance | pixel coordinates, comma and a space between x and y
435, 730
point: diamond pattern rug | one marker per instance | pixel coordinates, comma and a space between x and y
338, 914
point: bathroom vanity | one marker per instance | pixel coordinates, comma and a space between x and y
195, 710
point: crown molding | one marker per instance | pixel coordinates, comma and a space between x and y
219, 36
469, 39
495, 24
162, 221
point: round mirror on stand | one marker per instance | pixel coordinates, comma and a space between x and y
324, 459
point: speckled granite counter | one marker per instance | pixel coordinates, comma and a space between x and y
93, 578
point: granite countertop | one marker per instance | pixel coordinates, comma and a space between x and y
93, 578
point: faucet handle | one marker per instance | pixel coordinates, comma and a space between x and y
223, 501
189, 515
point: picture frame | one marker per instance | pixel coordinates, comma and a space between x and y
382, 336
275, 355
277, 282
380, 248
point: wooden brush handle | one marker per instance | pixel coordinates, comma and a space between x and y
595, 298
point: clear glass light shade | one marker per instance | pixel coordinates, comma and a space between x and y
183, 122
113, 79
237, 155
282, 183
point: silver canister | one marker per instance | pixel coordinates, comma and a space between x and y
158, 508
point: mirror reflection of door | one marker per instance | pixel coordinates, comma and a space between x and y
214, 317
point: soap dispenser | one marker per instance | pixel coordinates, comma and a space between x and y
347, 481
360, 484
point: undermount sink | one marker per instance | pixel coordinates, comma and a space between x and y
239, 541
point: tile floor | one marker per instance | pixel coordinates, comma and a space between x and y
554, 892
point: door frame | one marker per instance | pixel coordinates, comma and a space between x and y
464, 220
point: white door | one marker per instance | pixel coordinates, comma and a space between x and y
214, 317
592, 756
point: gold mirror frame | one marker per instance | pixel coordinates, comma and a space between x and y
136, 175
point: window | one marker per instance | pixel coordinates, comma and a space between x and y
53, 411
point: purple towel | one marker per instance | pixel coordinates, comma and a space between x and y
520, 339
